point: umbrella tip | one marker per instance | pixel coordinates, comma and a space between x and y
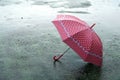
92, 25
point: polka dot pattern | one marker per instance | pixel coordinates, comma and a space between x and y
79, 34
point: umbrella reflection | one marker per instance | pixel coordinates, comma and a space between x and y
54, 63
88, 72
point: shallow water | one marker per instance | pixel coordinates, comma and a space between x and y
28, 40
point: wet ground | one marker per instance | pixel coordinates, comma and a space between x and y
28, 40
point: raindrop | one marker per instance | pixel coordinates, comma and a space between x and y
21, 17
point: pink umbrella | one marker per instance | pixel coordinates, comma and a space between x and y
80, 37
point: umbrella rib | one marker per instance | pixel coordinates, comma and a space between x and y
80, 46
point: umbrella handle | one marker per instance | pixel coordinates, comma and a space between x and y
92, 25
55, 58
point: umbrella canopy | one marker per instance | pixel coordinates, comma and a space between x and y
79, 36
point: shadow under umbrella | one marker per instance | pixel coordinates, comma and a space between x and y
88, 72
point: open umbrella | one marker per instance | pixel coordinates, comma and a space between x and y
80, 37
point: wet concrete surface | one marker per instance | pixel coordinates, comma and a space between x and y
28, 41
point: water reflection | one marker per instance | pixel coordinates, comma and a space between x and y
79, 12
51, 3
82, 72
56, 62
88, 72
9, 2
63, 3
